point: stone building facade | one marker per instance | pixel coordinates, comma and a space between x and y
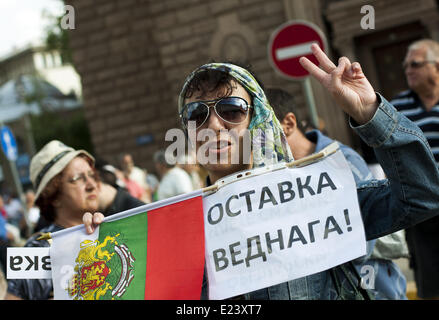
133, 56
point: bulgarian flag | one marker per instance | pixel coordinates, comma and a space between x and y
155, 251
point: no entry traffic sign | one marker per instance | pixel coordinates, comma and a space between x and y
291, 41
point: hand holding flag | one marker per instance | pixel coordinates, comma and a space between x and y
91, 221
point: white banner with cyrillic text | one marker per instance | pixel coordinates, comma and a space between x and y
28, 263
281, 226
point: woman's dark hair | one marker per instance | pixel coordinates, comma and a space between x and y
106, 174
283, 102
47, 196
208, 81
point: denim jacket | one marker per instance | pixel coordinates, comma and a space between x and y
388, 280
410, 195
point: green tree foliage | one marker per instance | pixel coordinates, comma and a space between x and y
70, 128
57, 38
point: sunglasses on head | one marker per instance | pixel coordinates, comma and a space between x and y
416, 64
233, 110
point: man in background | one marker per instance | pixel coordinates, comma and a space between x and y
188, 163
173, 179
136, 174
421, 105
14, 210
113, 196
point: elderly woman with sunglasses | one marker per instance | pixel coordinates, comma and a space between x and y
66, 186
222, 96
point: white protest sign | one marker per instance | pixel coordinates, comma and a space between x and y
28, 263
281, 226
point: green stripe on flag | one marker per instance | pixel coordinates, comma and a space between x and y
126, 243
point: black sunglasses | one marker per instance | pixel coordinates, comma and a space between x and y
416, 64
233, 110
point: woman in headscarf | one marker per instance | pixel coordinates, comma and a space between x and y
224, 86
240, 105
222, 97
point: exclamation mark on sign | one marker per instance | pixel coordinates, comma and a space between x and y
348, 221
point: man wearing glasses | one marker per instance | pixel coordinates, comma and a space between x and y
421, 105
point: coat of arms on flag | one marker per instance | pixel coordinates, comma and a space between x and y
98, 265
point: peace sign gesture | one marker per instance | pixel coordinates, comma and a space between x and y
347, 84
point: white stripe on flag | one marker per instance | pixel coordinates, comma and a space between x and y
294, 51
63, 252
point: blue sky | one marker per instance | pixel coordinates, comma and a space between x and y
22, 22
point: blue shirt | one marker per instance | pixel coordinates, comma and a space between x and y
409, 104
2, 228
388, 280
357, 164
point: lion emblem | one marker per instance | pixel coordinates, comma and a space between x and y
89, 281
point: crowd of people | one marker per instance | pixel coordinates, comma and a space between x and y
108, 189
68, 183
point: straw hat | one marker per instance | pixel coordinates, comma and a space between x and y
49, 161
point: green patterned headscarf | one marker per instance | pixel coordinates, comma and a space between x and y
269, 144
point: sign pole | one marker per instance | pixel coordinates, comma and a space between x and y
306, 84
288, 43
10, 154
16, 179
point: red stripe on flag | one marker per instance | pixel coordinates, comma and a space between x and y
175, 251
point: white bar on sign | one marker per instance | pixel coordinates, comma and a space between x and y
28, 263
294, 51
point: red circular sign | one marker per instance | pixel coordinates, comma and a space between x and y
291, 41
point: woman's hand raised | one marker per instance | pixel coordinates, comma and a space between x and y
346, 83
